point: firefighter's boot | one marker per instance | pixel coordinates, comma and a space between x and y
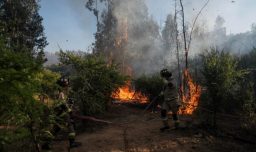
73, 143
176, 121
46, 147
165, 127
176, 124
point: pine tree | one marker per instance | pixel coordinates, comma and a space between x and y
21, 26
22, 42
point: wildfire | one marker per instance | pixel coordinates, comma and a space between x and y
126, 94
190, 98
122, 37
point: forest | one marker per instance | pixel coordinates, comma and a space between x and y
112, 97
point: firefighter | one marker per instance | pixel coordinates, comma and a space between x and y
60, 118
171, 100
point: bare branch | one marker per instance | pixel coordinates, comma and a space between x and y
183, 24
193, 26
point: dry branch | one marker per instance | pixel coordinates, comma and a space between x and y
184, 33
194, 23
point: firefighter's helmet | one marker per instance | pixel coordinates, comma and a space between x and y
63, 82
165, 73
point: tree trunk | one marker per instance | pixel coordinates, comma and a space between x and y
177, 45
215, 108
184, 35
34, 138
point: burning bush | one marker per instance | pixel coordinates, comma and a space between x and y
190, 96
127, 94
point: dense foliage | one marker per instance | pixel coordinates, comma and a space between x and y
21, 26
248, 61
222, 79
151, 86
92, 81
18, 84
21, 47
230, 88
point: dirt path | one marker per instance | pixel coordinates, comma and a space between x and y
140, 133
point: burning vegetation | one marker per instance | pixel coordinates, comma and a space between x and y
128, 41
126, 94
190, 96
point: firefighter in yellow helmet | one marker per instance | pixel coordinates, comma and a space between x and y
171, 100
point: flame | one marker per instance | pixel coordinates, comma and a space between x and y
126, 94
191, 97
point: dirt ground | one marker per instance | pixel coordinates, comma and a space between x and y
135, 131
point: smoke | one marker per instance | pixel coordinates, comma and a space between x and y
240, 43
142, 47
145, 49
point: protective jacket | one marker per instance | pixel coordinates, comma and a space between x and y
171, 97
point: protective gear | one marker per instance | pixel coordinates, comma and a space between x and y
61, 117
175, 116
164, 114
165, 120
47, 137
171, 100
63, 120
63, 82
46, 147
165, 82
165, 73
73, 143
176, 124
70, 102
164, 128
171, 105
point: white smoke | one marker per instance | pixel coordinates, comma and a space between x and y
144, 51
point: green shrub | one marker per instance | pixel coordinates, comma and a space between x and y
222, 77
248, 61
92, 81
151, 86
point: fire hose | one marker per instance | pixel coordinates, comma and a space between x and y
91, 119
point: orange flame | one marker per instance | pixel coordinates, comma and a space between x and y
126, 94
191, 98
